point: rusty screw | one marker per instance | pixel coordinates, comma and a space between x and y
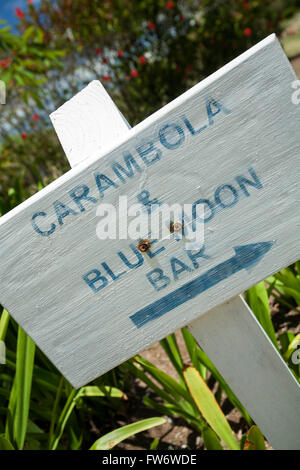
176, 227
144, 245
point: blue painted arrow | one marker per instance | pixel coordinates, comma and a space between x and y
245, 257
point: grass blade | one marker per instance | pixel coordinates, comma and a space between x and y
209, 407
21, 390
254, 440
4, 321
5, 444
211, 440
113, 438
257, 299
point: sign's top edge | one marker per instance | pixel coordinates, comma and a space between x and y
271, 39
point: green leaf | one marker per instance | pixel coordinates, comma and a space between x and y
154, 444
104, 391
209, 407
202, 356
211, 440
63, 419
192, 349
285, 339
288, 279
113, 438
19, 401
254, 440
177, 390
257, 299
172, 350
5, 444
293, 346
292, 293
4, 321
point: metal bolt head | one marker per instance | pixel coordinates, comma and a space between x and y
144, 245
176, 227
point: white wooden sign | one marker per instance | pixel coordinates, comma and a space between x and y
230, 146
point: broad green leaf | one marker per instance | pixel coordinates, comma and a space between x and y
202, 356
113, 438
104, 391
254, 440
33, 428
4, 321
257, 299
209, 407
19, 401
192, 349
5, 444
211, 440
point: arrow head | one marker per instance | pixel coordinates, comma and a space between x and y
247, 256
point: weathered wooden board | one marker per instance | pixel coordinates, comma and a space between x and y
95, 331
230, 333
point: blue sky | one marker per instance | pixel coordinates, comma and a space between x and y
7, 9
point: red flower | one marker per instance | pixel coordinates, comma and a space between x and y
151, 25
24, 135
3, 63
104, 60
169, 5
134, 73
247, 32
35, 117
120, 53
97, 50
178, 68
106, 78
142, 59
29, 2
19, 13
246, 5
292, 32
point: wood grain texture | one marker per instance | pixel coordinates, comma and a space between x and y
84, 333
231, 335
92, 133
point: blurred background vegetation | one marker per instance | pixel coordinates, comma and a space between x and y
145, 53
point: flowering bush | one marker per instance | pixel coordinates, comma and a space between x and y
146, 53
